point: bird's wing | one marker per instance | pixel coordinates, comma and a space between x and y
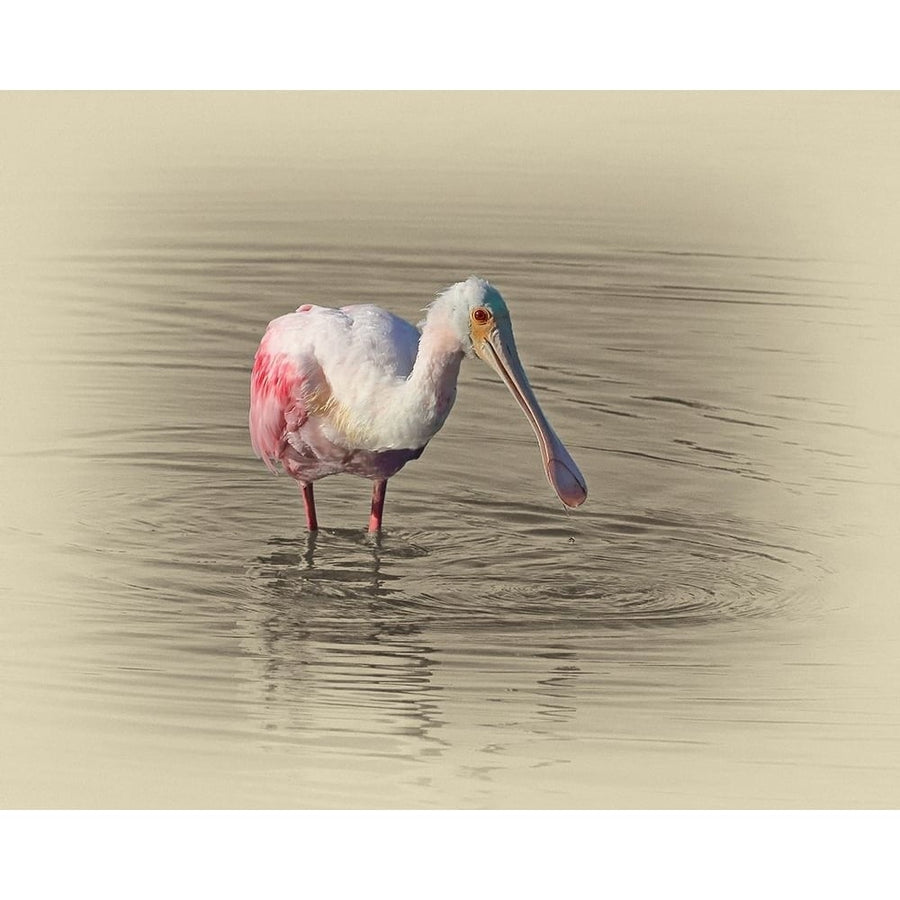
325, 362
285, 375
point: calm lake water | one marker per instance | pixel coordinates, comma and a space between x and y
704, 291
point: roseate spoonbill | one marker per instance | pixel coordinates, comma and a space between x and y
361, 391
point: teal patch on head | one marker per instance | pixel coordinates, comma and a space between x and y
495, 303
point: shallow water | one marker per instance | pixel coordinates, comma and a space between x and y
703, 289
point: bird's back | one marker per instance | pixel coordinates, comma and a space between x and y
382, 340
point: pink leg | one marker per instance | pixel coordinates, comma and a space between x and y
309, 504
377, 506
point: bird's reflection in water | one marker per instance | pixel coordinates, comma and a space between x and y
556, 690
343, 660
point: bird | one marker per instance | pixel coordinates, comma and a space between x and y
361, 391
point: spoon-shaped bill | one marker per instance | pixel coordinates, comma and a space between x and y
498, 350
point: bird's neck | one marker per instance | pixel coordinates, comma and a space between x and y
430, 391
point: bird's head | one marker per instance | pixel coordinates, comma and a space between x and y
481, 319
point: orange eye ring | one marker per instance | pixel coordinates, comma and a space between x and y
480, 315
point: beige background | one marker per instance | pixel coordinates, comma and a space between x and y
164, 643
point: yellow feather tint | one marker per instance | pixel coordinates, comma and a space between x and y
324, 405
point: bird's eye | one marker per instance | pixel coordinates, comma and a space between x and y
480, 315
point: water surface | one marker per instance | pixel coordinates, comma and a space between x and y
704, 294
